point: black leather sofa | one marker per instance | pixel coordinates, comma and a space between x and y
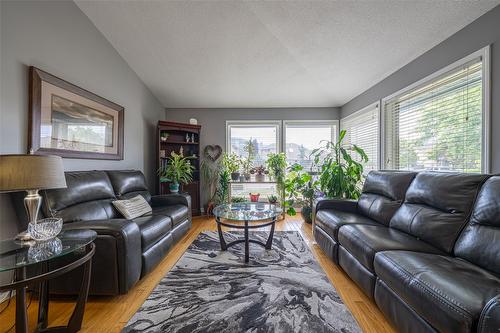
126, 250
425, 246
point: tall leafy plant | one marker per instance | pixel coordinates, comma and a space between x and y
300, 188
340, 168
222, 194
210, 173
178, 169
276, 164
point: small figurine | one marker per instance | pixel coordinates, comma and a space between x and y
192, 138
181, 151
187, 137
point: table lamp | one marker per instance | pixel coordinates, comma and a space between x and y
31, 173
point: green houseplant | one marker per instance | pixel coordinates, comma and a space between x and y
300, 188
232, 163
178, 170
276, 164
340, 168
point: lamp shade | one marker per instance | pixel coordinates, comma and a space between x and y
31, 172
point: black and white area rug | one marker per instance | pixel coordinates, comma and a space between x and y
279, 290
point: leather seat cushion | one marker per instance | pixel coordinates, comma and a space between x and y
364, 241
178, 213
447, 292
330, 220
153, 228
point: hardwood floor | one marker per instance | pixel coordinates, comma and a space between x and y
110, 314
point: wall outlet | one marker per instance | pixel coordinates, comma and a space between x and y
202, 210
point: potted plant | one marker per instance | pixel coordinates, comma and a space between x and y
273, 199
232, 164
238, 199
246, 166
300, 188
259, 172
276, 164
340, 173
163, 136
178, 170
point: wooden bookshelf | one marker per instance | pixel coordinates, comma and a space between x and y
175, 142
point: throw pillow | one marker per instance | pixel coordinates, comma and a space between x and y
132, 208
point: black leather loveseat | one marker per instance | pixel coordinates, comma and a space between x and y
425, 246
126, 250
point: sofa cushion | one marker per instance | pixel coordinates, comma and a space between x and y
383, 192
153, 228
449, 293
364, 241
437, 206
330, 220
129, 183
479, 243
88, 196
178, 213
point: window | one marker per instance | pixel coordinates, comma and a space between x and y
302, 137
363, 131
441, 122
263, 135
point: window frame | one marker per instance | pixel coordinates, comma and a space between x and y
253, 123
374, 105
484, 54
335, 134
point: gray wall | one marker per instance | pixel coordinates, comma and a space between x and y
58, 38
478, 34
213, 121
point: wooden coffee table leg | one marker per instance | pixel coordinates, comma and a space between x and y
247, 243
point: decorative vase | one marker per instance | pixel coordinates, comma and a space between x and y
235, 176
260, 177
254, 197
173, 187
247, 176
242, 178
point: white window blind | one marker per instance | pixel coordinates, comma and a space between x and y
437, 125
362, 130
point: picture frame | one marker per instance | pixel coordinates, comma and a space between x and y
72, 122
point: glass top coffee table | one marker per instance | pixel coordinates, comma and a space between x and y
253, 214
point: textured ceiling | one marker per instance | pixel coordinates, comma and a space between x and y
273, 54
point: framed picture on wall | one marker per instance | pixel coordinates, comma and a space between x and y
72, 122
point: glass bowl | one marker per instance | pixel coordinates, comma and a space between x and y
45, 229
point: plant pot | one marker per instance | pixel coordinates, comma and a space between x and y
306, 213
173, 187
260, 177
247, 176
235, 176
254, 197
242, 178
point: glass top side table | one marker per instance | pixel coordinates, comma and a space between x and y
247, 212
19, 256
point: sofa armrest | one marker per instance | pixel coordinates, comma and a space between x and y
346, 205
171, 199
123, 234
489, 321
